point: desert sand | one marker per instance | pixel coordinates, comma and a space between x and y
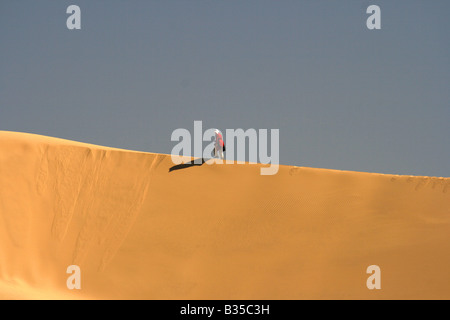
138, 231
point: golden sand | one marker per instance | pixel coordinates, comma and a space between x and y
138, 231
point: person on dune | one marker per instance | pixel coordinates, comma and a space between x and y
219, 145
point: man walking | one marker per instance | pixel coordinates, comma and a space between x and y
219, 145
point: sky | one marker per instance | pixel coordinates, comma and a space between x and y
342, 96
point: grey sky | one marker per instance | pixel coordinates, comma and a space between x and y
343, 97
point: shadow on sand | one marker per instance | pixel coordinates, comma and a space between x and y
187, 165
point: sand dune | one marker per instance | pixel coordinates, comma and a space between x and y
138, 231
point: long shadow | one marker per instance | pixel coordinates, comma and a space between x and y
186, 165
